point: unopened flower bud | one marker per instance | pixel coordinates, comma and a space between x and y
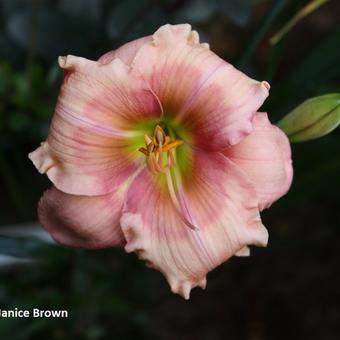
312, 119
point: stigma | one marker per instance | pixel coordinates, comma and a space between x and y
160, 151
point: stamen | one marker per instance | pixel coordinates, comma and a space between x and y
172, 145
147, 139
159, 151
184, 213
185, 208
176, 202
159, 135
150, 148
171, 159
144, 151
160, 158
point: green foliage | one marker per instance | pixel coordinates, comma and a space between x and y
23, 98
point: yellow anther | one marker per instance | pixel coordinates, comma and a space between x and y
159, 135
144, 151
172, 145
147, 140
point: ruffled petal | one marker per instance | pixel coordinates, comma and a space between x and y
125, 53
82, 221
87, 151
265, 156
218, 199
207, 95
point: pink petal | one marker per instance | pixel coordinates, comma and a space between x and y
125, 53
196, 87
219, 200
243, 252
82, 221
265, 156
87, 148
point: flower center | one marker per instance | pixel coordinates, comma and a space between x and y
160, 151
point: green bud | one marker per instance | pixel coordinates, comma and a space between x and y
314, 118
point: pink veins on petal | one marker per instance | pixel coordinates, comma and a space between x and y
159, 147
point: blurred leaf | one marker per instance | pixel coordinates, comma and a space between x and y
57, 33
54, 75
123, 15
37, 78
260, 33
11, 185
17, 247
22, 94
18, 120
10, 261
152, 20
238, 11
8, 7
8, 51
320, 66
2, 120
26, 230
43, 111
312, 119
86, 8
196, 11
5, 77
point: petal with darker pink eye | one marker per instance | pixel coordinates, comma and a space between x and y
208, 96
265, 156
218, 200
87, 148
82, 221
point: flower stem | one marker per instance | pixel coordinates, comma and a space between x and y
309, 8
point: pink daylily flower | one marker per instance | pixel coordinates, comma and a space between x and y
158, 147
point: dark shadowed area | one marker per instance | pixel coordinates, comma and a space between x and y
290, 290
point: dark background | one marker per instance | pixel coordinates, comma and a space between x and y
289, 290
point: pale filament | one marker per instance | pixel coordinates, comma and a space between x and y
176, 202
